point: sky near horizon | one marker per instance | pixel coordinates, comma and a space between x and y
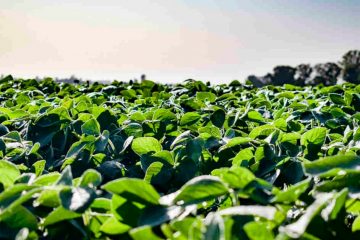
170, 41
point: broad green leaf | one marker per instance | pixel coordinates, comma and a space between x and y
206, 96
90, 178
258, 231
344, 179
212, 130
326, 164
144, 145
58, 215
47, 179
158, 174
292, 193
145, 232
163, 156
164, 115
48, 198
101, 203
235, 142
194, 149
356, 224
21, 217
199, 189
134, 190
113, 227
235, 177
8, 173
243, 158
91, 127
218, 118
337, 99
39, 167
314, 136
255, 116
189, 118
13, 193
261, 131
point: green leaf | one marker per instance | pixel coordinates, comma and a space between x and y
21, 217
58, 215
199, 189
158, 174
206, 96
235, 142
356, 224
337, 99
235, 177
145, 232
243, 158
134, 190
8, 173
91, 127
164, 115
194, 149
189, 118
48, 198
39, 167
144, 145
90, 178
113, 227
101, 203
47, 179
261, 131
258, 231
344, 179
292, 193
163, 156
255, 116
315, 136
218, 118
212, 130
13, 193
326, 164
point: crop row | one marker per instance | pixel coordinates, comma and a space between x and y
187, 161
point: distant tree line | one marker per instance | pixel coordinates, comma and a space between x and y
348, 69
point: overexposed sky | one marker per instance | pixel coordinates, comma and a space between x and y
172, 40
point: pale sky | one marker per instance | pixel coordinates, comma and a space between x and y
172, 40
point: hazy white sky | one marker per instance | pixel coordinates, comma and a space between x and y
173, 40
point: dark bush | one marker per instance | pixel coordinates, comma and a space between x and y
283, 75
325, 73
351, 66
303, 74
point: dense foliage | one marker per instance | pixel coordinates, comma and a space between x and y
190, 161
330, 73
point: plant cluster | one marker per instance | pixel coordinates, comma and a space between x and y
187, 161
